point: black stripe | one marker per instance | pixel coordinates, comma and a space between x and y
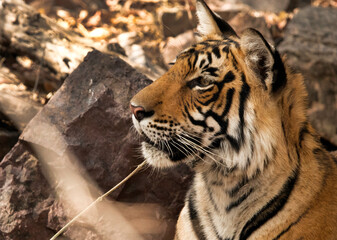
216, 52
196, 56
327, 145
229, 77
236, 144
279, 76
189, 67
222, 123
194, 82
205, 44
236, 189
205, 96
238, 201
212, 99
202, 62
234, 62
211, 71
209, 57
216, 143
275, 205
229, 100
304, 130
206, 66
233, 41
197, 227
193, 121
244, 94
225, 49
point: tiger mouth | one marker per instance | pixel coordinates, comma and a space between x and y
175, 151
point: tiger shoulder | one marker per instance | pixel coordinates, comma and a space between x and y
232, 110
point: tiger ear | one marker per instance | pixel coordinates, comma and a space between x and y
211, 23
264, 60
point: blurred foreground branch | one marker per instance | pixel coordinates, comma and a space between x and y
99, 199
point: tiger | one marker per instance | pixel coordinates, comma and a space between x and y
233, 111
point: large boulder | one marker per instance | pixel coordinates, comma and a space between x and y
81, 144
310, 46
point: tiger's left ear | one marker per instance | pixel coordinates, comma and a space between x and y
211, 23
263, 60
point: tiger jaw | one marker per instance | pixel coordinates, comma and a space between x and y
167, 150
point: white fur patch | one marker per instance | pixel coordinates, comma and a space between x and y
155, 157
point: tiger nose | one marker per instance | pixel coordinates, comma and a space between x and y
139, 112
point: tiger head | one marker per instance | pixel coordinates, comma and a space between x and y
217, 105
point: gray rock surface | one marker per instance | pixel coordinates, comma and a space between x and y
267, 5
310, 44
87, 123
245, 19
272, 5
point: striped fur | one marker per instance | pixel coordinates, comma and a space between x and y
234, 112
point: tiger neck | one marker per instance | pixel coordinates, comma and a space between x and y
232, 196
257, 183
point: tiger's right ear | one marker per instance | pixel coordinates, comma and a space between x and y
264, 60
211, 23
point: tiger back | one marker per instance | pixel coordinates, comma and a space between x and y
232, 110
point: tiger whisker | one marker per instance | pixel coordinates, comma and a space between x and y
199, 147
168, 146
177, 145
194, 137
207, 153
192, 152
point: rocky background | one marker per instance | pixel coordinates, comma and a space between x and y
67, 72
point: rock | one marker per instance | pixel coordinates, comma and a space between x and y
84, 144
24, 197
267, 5
310, 46
245, 20
272, 5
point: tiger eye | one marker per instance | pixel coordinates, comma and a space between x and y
205, 82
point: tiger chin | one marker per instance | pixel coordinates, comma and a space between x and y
232, 110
